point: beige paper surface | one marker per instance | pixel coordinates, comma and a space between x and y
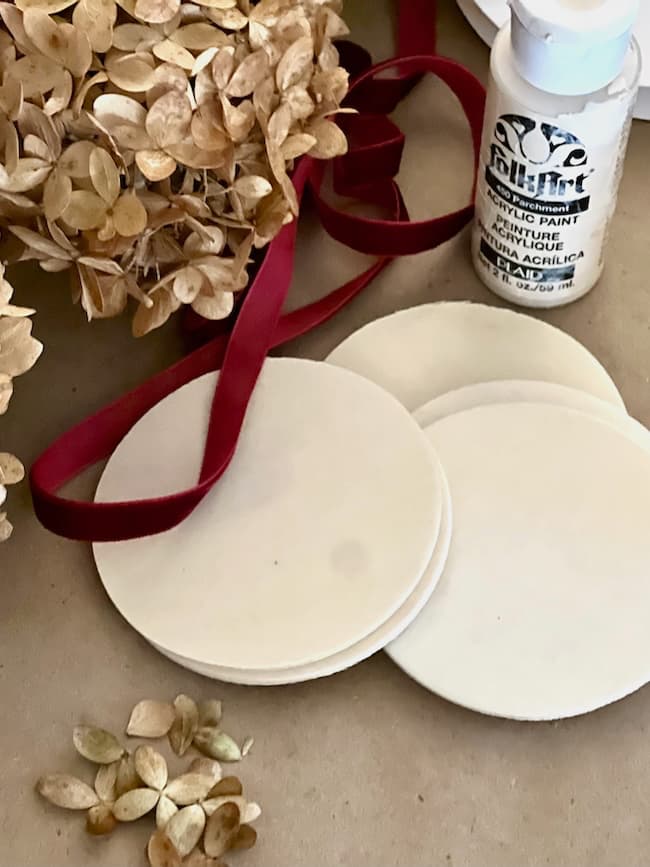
365, 769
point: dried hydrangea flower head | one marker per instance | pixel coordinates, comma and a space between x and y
18, 352
146, 146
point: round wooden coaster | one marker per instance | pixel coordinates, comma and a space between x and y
356, 653
516, 391
423, 352
528, 391
318, 532
541, 612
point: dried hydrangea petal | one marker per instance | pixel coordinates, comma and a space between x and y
96, 19
150, 719
127, 777
155, 165
246, 838
168, 120
6, 390
226, 786
106, 782
104, 175
221, 830
11, 470
19, 351
85, 210
134, 804
66, 791
131, 73
156, 11
6, 527
146, 319
217, 745
161, 852
188, 788
165, 809
129, 215
151, 767
296, 60
185, 829
100, 820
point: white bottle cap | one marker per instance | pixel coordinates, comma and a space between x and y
571, 47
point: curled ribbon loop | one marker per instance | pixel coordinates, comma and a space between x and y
367, 173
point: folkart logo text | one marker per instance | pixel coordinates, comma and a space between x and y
540, 160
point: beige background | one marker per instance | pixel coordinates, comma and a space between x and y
365, 768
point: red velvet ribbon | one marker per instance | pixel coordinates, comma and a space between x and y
367, 172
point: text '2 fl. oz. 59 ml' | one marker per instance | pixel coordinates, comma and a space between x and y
553, 148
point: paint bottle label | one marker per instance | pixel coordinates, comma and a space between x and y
545, 197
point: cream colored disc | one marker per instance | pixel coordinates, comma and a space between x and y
423, 352
542, 610
303, 548
377, 640
528, 391
516, 391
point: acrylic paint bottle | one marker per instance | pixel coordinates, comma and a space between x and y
564, 76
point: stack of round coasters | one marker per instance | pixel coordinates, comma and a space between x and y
460, 485
540, 612
320, 543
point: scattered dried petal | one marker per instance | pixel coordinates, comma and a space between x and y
185, 829
188, 788
150, 719
11, 470
97, 745
211, 711
165, 809
161, 852
100, 820
66, 791
226, 786
135, 804
206, 767
6, 527
246, 838
151, 767
127, 776
106, 782
221, 830
217, 745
